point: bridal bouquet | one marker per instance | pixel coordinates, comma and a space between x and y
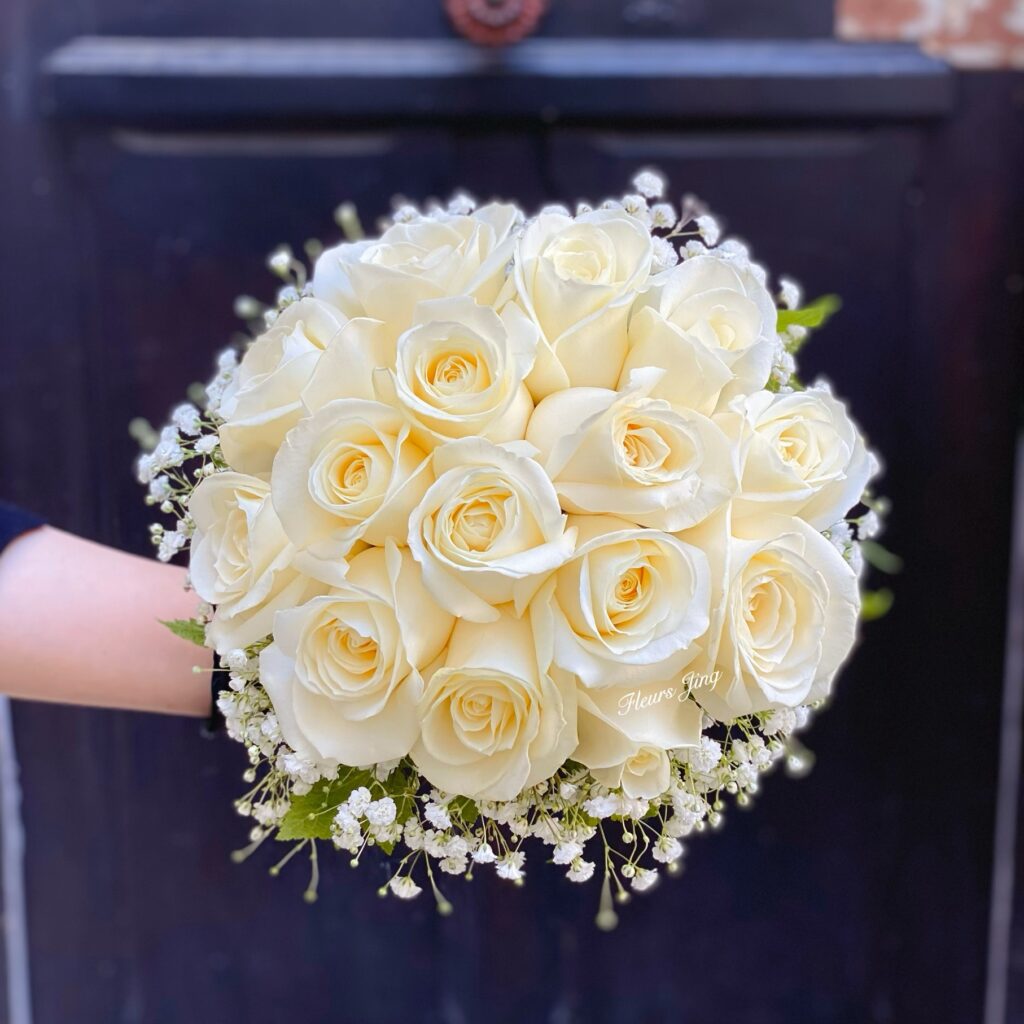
517, 534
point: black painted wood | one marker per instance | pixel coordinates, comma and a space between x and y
154, 79
859, 894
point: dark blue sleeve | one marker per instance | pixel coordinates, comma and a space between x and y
14, 522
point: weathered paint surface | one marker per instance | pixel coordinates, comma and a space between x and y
970, 33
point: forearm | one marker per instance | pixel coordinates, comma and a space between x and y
79, 624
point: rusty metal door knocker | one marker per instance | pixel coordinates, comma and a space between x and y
495, 22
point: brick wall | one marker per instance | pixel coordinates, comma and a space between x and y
970, 33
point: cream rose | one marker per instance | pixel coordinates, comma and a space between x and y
784, 613
577, 279
348, 364
710, 323
627, 606
264, 400
241, 560
489, 530
632, 456
459, 372
496, 718
626, 733
428, 258
343, 672
347, 473
800, 454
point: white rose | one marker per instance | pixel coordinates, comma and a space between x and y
489, 530
429, 258
626, 732
343, 672
628, 606
633, 456
263, 402
784, 613
710, 323
800, 454
577, 279
643, 774
459, 372
347, 473
241, 560
495, 717
347, 366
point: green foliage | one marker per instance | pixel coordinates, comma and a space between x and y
188, 629
881, 558
466, 809
810, 316
310, 815
874, 604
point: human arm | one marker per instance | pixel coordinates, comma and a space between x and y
80, 624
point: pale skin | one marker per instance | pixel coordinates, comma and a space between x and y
80, 624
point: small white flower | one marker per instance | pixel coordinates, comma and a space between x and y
207, 443
779, 722
435, 843
413, 834
170, 545
790, 293
349, 839
664, 253
386, 833
404, 888
869, 526
663, 215
160, 488
461, 204
359, 800
649, 184
667, 849
405, 214
511, 866
345, 820
636, 206
602, 806
227, 360
437, 815
483, 854
457, 846
581, 871
566, 853
186, 418
453, 865
709, 229
280, 261
706, 756
381, 812
643, 879
236, 660
382, 770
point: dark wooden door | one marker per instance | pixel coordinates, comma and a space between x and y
153, 153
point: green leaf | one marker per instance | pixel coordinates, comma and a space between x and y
881, 558
874, 604
310, 815
188, 629
810, 316
466, 809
